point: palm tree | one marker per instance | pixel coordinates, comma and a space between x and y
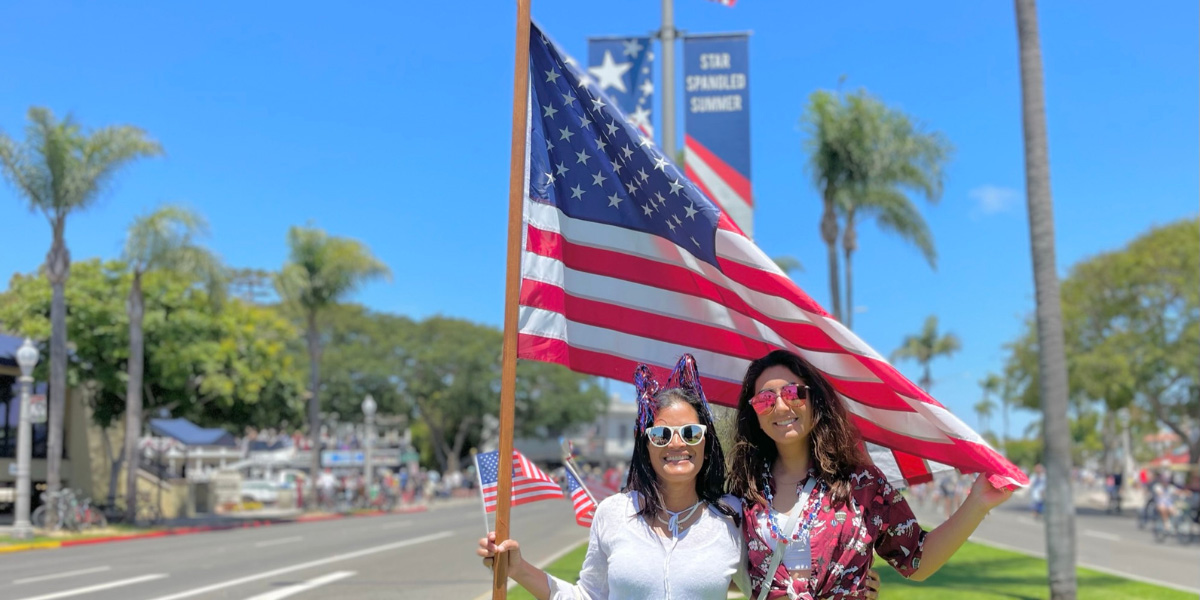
992, 385
321, 271
61, 169
983, 409
899, 158
1052, 363
926, 346
164, 239
788, 264
833, 158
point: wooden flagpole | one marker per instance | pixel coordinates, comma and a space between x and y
512, 289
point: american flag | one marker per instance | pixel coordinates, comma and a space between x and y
585, 506
625, 261
529, 483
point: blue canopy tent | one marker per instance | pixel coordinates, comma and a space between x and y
190, 434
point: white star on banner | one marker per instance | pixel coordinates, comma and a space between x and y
675, 187
565, 134
584, 121
583, 157
691, 212
568, 99
598, 178
615, 201
631, 186
632, 47
640, 116
552, 76
612, 128
562, 169
660, 163
549, 178
643, 175
549, 111
647, 87
577, 192
649, 211
598, 104
610, 73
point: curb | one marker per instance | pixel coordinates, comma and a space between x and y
202, 529
24, 547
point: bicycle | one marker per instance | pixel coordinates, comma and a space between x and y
72, 513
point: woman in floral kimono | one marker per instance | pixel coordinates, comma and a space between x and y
802, 477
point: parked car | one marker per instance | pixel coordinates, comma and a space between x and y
261, 491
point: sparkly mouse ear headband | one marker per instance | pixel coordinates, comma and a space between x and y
685, 376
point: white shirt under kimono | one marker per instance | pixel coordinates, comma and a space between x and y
627, 560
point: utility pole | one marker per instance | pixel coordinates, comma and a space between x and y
666, 35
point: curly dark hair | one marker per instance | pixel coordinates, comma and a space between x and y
710, 481
834, 439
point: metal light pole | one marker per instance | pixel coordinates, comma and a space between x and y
27, 359
368, 408
666, 36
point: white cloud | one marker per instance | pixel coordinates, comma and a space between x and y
992, 199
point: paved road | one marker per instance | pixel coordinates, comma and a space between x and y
423, 555
1105, 542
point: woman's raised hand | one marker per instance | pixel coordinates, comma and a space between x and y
987, 495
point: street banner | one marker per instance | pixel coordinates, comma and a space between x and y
717, 116
623, 68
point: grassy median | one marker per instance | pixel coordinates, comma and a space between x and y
976, 572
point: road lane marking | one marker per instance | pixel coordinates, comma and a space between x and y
1112, 537
292, 590
315, 563
395, 525
60, 575
96, 588
278, 541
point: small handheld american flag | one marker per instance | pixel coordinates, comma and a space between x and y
585, 505
529, 483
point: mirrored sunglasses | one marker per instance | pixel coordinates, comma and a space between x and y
794, 394
660, 435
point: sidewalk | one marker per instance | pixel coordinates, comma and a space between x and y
188, 526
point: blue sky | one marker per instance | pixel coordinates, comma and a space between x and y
389, 122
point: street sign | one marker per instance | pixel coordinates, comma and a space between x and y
380, 457
37, 408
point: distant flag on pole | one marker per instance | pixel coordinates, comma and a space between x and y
626, 261
585, 505
726, 2
529, 483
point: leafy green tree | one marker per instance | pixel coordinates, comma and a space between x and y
228, 369
59, 170
1132, 332
321, 271
452, 374
925, 347
361, 357
164, 239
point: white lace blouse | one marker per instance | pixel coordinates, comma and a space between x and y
627, 560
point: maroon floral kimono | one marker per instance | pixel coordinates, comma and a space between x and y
876, 518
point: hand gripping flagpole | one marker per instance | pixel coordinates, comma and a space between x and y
512, 288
